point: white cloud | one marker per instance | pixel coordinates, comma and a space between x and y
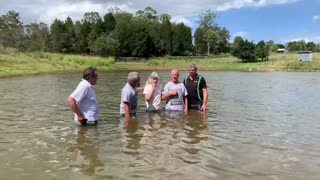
307, 38
241, 34
316, 18
47, 11
179, 19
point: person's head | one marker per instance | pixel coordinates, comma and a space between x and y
153, 78
91, 75
175, 75
134, 79
193, 69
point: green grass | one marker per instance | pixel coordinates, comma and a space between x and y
13, 62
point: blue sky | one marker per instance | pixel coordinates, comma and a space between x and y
255, 20
280, 23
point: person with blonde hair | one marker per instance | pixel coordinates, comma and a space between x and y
152, 93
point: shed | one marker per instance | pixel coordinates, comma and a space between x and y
304, 55
280, 50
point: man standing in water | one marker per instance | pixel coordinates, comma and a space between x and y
129, 97
83, 100
197, 89
175, 94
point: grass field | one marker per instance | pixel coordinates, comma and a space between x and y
13, 62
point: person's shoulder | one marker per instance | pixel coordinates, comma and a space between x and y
84, 84
202, 78
168, 83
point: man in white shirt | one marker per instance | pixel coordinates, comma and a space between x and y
83, 100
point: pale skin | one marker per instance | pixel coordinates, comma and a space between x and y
73, 104
174, 79
153, 83
193, 75
135, 85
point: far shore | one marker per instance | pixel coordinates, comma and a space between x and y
14, 63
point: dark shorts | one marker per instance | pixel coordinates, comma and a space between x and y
195, 106
85, 122
131, 115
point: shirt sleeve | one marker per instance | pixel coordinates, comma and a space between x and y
147, 88
166, 89
185, 91
79, 93
203, 83
125, 96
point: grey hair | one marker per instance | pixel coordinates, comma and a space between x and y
153, 75
133, 77
192, 65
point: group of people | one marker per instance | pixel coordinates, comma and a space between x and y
179, 96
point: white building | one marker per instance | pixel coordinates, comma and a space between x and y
304, 55
280, 50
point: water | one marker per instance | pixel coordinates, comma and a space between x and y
258, 126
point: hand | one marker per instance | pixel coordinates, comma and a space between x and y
153, 84
204, 107
82, 120
173, 92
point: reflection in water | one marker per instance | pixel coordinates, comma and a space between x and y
83, 153
258, 126
131, 137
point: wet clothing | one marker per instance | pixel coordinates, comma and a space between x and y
86, 100
129, 95
154, 102
195, 94
175, 103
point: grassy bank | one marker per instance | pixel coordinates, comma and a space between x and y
13, 62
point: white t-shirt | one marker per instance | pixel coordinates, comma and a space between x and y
175, 103
86, 101
154, 102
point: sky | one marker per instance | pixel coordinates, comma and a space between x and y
278, 20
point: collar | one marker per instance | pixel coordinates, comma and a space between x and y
196, 76
87, 83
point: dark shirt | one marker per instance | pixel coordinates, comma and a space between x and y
192, 86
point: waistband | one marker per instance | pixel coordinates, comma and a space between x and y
86, 122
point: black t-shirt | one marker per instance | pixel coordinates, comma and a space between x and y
191, 86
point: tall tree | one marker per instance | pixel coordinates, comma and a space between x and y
310, 46
165, 36
58, 36
262, 50
212, 39
244, 50
70, 35
207, 19
11, 29
182, 40
38, 34
109, 22
236, 46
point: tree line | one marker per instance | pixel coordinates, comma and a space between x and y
143, 34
